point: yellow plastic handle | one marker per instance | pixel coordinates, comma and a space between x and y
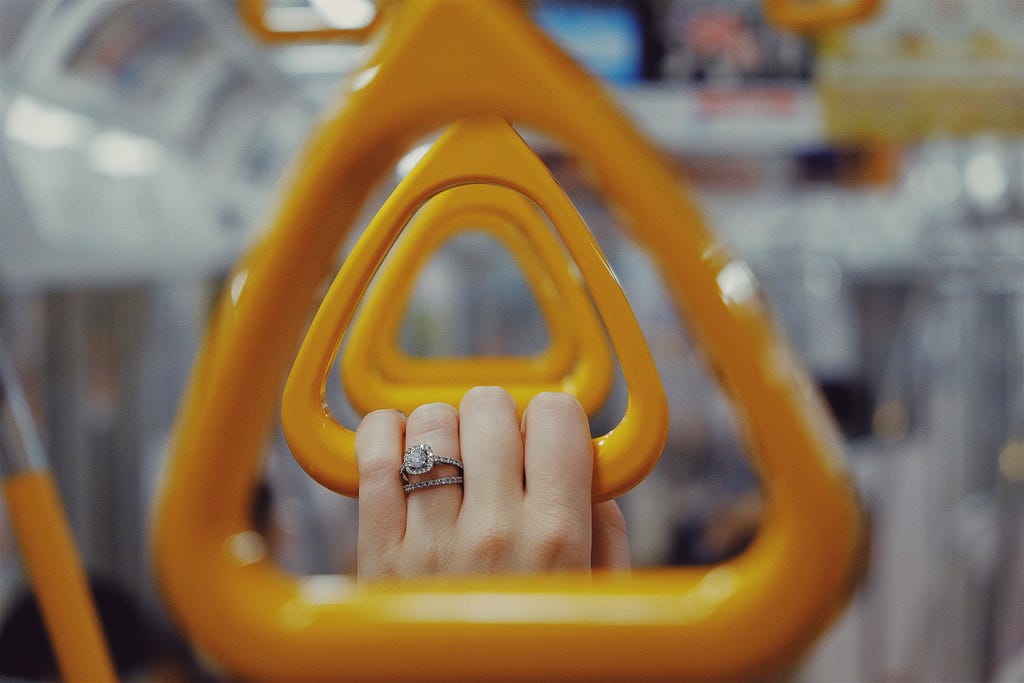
259, 18
58, 578
473, 152
805, 16
378, 373
439, 62
525, 233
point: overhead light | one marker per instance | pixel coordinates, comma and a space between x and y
120, 153
43, 125
985, 177
347, 14
321, 14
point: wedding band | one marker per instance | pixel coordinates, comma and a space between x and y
427, 483
420, 459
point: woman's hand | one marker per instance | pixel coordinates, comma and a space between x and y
524, 505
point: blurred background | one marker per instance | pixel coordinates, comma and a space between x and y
871, 175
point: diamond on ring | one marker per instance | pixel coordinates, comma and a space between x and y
420, 459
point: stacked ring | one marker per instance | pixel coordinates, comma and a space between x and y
427, 483
420, 459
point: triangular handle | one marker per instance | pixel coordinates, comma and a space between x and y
439, 62
377, 373
474, 151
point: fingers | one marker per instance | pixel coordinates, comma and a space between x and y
435, 508
559, 469
492, 448
559, 452
526, 505
379, 443
611, 547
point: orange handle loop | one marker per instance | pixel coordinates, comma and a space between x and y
806, 16
440, 62
487, 152
378, 373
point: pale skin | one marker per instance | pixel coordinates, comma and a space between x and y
525, 505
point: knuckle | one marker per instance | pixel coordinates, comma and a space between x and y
374, 442
558, 538
613, 519
431, 417
383, 415
375, 462
428, 562
555, 405
493, 546
428, 554
487, 395
377, 423
377, 565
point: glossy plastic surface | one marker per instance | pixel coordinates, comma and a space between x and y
805, 16
751, 617
484, 152
378, 373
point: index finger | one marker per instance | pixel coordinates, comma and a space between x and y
380, 440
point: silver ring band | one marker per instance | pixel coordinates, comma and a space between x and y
420, 459
427, 483
447, 461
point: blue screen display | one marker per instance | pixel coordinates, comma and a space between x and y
606, 38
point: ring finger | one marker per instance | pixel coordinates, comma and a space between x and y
435, 507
